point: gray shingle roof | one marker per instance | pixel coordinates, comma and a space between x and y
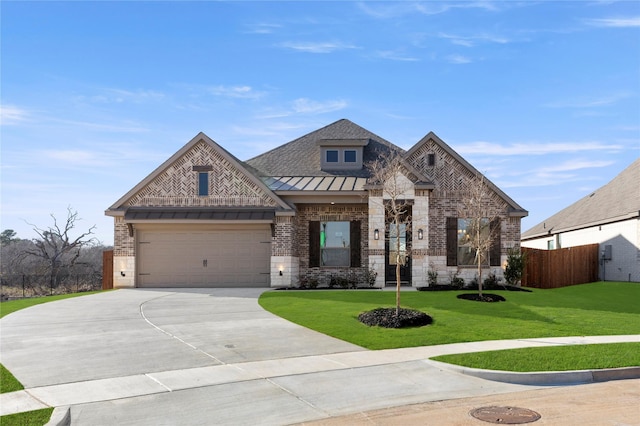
617, 200
301, 157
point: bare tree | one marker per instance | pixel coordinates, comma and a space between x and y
56, 247
479, 234
388, 174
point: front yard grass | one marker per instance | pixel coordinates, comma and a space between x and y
603, 308
555, 358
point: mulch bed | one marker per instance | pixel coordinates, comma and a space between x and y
386, 317
486, 297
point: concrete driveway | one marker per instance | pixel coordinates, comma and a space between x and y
211, 356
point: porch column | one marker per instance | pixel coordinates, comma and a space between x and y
420, 225
285, 263
376, 247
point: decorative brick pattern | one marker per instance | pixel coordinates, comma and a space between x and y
178, 184
451, 179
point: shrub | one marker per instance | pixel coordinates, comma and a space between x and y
515, 266
432, 277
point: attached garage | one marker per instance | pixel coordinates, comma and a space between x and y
203, 255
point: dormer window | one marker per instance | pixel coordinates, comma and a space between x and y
342, 154
350, 156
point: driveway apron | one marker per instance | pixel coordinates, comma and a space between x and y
129, 332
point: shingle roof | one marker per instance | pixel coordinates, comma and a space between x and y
301, 157
617, 200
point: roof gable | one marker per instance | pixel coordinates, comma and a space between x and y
450, 171
301, 157
174, 183
617, 200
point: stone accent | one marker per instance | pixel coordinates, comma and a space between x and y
290, 267
177, 186
338, 212
124, 265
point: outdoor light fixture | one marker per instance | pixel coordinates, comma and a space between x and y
280, 270
280, 273
122, 273
420, 234
376, 235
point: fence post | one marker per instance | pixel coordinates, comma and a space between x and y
23, 296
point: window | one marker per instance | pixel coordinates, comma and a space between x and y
203, 184
467, 230
459, 250
334, 243
551, 245
431, 159
349, 156
397, 239
332, 156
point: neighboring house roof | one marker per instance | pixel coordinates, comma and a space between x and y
617, 200
301, 157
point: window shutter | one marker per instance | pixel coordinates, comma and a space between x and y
314, 244
494, 253
355, 231
452, 241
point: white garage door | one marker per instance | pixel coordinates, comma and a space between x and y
203, 256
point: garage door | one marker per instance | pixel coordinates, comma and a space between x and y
214, 256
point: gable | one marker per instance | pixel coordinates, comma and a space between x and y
175, 183
450, 173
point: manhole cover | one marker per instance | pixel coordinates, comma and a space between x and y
505, 415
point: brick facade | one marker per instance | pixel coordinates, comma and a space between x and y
324, 212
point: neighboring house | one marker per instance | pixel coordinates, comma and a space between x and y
302, 211
610, 216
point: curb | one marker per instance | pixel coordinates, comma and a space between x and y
546, 378
61, 417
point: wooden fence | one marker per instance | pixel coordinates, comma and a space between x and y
107, 269
560, 268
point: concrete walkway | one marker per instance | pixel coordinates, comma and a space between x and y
213, 356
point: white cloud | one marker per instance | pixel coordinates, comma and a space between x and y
458, 59
535, 148
11, 114
110, 95
307, 106
263, 28
572, 165
615, 22
242, 92
317, 47
470, 41
390, 10
592, 102
395, 56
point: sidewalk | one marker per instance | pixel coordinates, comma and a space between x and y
449, 382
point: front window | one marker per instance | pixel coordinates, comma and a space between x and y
335, 244
397, 241
203, 184
467, 233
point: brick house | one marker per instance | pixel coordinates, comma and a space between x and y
302, 211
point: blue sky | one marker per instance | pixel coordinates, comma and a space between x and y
543, 97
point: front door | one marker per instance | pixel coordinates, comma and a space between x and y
397, 249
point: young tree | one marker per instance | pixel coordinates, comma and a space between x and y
7, 236
56, 247
388, 174
476, 208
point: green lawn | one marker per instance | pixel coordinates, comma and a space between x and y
555, 358
583, 310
